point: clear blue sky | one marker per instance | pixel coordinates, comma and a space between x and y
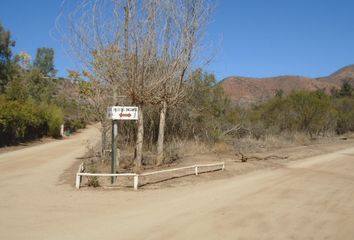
256, 38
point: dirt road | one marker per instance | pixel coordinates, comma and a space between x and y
309, 199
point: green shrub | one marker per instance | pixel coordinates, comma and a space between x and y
74, 124
54, 118
312, 112
345, 109
303, 111
25, 120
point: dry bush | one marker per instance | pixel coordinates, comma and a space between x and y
91, 167
298, 138
177, 149
248, 144
276, 141
221, 148
251, 144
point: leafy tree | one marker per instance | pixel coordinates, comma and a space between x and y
24, 60
27, 82
17, 89
5, 57
18, 86
44, 61
40, 88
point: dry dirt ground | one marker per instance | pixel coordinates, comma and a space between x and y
26, 145
311, 198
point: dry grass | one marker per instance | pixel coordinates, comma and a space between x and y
183, 148
177, 151
222, 148
291, 146
270, 142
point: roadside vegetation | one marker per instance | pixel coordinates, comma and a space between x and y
207, 121
209, 116
149, 60
32, 105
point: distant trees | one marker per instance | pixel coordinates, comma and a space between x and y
28, 94
40, 88
44, 61
24, 60
20, 78
208, 115
314, 113
6, 43
28, 81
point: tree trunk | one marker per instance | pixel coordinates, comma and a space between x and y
104, 129
139, 140
160, 140
126, 30
103, 141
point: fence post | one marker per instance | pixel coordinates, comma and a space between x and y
196, 170
136, 182
78, 178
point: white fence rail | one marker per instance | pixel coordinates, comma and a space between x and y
196, 167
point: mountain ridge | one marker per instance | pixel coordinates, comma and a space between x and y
251, 90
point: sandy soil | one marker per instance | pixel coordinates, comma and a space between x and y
310, 198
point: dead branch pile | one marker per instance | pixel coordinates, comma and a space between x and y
245, 158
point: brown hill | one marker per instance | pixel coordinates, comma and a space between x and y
343, 74
251, 90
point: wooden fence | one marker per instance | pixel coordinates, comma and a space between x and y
196, 167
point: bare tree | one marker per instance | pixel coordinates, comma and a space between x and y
91, 96
141, 49
180, 56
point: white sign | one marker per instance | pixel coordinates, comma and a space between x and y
122, 113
